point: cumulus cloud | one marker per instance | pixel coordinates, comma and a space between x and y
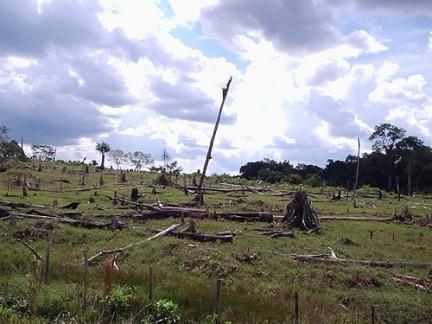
294, 26
184, 101
24, 30
423, 7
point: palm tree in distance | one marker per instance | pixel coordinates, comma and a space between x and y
103, 148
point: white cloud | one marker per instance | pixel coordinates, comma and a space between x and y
399, 89
429, 43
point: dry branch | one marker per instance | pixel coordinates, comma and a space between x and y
122, 249
417, 283
30, 248
333, 259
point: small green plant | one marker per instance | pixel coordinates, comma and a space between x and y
118, 299
163, 310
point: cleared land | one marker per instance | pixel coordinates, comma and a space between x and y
258, 289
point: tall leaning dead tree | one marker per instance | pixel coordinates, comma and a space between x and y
357, 169
200, 193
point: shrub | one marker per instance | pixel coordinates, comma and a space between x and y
165, 310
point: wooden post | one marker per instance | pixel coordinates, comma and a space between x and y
373, 314
114, 201
47, 262
151, 284
24, 187
200, 196
371, 234
185, 185
217, 308
393, 237
296, 308
85, 279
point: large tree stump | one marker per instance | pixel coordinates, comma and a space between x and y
134, 194
300, 213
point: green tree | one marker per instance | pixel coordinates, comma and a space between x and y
11, 151
103, 148
118, 157
385, 137
43, 152
3, 133
406, 148
139, 159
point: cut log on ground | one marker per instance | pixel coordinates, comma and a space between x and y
277, 234
113, 224
300, 213
20, 205
333, 259
203, 237
354, 218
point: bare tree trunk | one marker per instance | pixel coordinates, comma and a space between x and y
200, 196
357, 169
409, 177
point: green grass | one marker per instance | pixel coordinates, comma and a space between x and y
186, 271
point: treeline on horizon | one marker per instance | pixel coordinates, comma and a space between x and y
397, 163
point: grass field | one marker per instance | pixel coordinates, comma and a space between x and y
185, 271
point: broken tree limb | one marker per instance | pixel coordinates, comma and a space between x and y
28, 246
199, 197
333, 259
417, 283
141, 205
122, 249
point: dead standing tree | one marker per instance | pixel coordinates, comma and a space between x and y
357, 171
300, 213
200, 194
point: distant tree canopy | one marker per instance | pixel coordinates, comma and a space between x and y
396, 161
9, 150
43, 152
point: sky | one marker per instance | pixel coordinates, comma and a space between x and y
309, 76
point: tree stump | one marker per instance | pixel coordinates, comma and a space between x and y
134, 194
300, 213
122, 177
101, 180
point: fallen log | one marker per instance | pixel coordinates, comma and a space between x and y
277, 234
354, 218
333, 259
13, 204
122, 249
203, 237
113, 224
417, 283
